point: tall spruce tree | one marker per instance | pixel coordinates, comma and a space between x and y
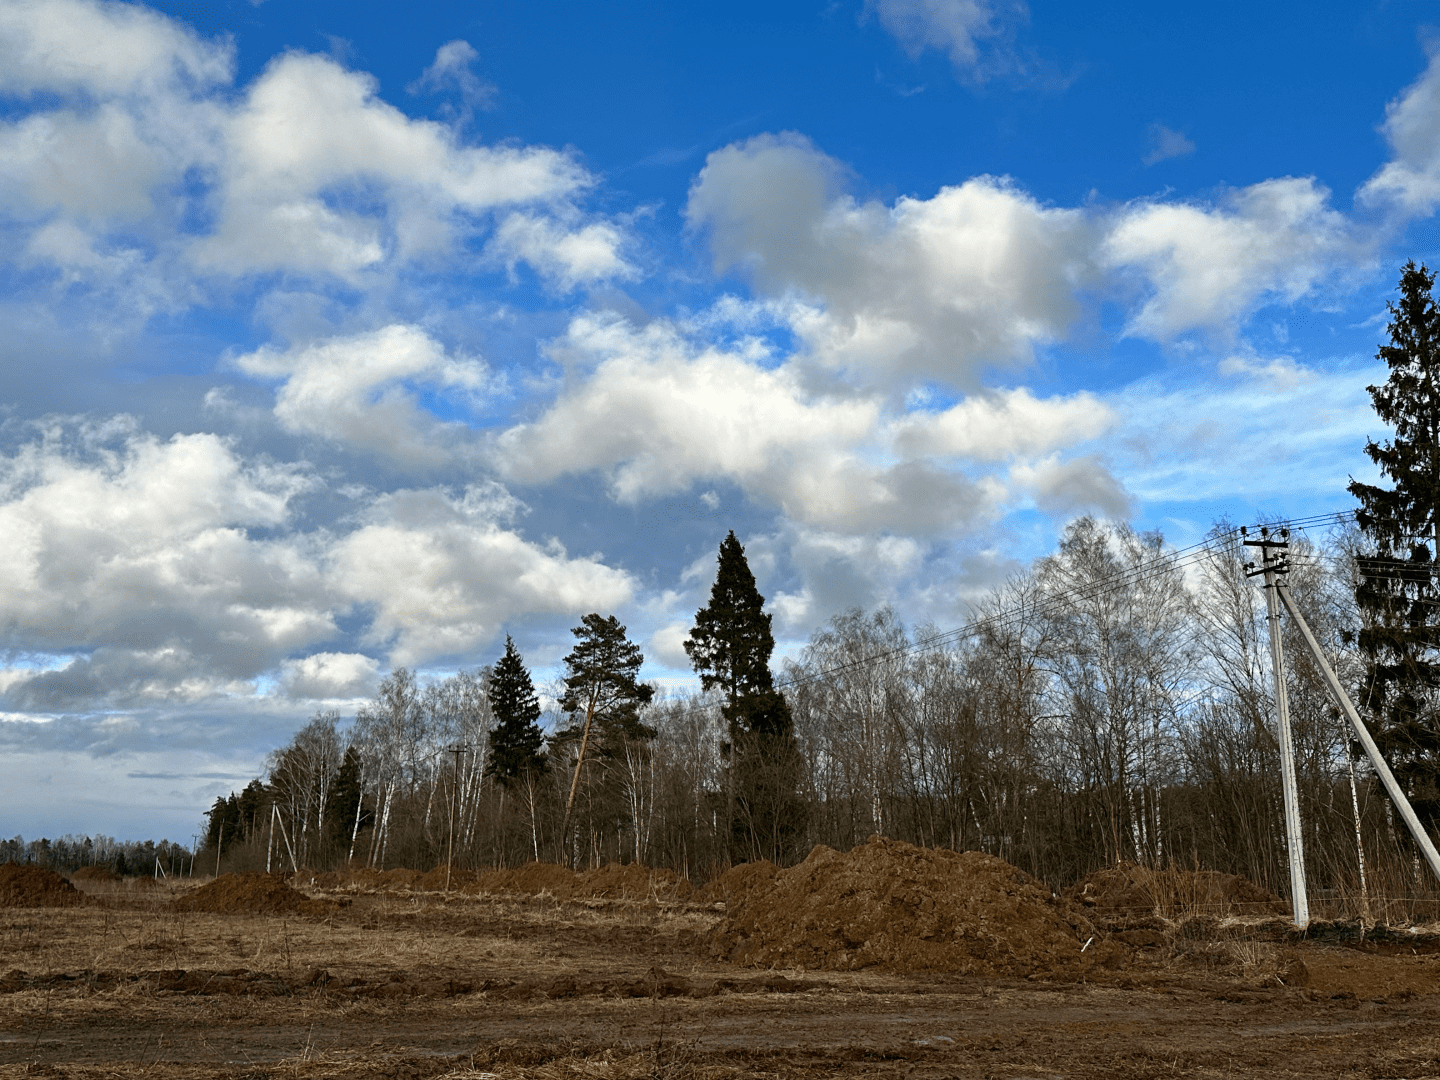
729, 648
1397, 584
516, 738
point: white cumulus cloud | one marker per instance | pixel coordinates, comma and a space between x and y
441, 574
1210, 266
658, 413
135, 555
1410, 180
313, 149
955, 27
64, 46
359, 391
330, 675
927, 288
304, 171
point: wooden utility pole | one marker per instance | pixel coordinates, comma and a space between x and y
1273, 564
454, 789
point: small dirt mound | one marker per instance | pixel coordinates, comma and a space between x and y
889, 904
434, 880
355, 877
532, 879
250, 894
331, 879
95, 873
1128, 889
33, 886
399, 878
632, 881
738, 882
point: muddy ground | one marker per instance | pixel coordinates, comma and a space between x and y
426, 984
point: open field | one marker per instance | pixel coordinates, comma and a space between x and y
399, 983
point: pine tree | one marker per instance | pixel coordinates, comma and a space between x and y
730, 648
1397, 584
602, 686
602, 681
516, 739
253, 808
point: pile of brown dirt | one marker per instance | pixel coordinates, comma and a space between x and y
738, 882
889, 904
95, 873
532, 878
33, 886
361, 877
434, 881
1128, 889
354, 877
250, 894
333, 879
629, 881
399, 878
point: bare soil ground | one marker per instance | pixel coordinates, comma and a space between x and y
378, 981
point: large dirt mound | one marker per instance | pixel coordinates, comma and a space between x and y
738, 882
892, 905
250, 894
33, 886
1128, 889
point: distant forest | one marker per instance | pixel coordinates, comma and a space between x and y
128, 858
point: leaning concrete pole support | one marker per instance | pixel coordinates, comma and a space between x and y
1422, 839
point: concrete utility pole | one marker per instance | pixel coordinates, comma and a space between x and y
454, 790
1273, 564
1382, 770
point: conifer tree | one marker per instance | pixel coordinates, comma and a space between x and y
344, 814
730, 648
603, 694
516, 738
1397, 584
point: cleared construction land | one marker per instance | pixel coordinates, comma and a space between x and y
887, 960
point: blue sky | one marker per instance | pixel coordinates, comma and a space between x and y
339, 338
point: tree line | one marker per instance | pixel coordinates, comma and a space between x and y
128, 858
1112, 702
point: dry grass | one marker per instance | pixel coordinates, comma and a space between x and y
379, 932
